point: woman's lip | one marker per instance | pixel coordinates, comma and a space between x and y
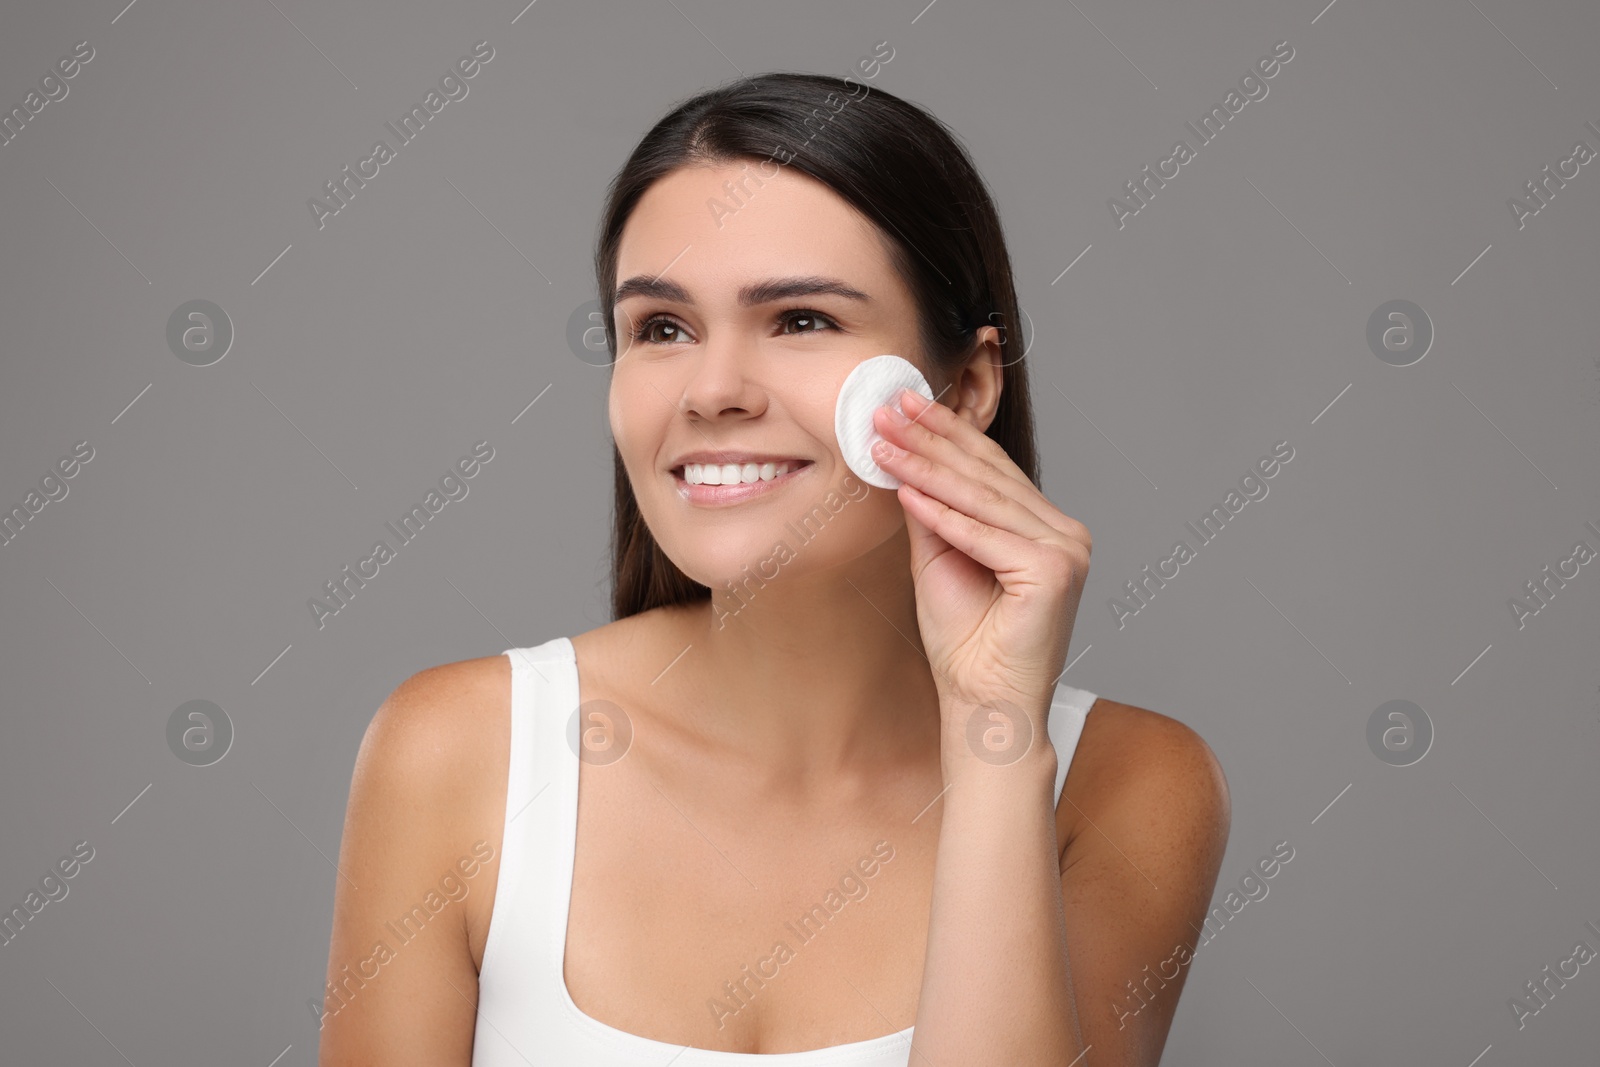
735, 494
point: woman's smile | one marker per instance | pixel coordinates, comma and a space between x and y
717, 485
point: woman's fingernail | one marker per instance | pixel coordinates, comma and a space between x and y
883, 450
896, 415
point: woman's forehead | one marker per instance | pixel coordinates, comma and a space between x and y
726, 224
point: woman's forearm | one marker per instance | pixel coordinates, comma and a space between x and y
996, 986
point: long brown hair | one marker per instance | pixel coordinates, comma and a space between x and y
900, 167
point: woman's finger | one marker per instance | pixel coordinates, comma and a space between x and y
978, 500
1014, 559
938, 432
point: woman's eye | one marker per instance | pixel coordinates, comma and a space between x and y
646, 332
808, 321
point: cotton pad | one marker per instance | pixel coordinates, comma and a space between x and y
873, 383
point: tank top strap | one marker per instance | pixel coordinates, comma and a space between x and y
537, 836
1069, 708
541, 687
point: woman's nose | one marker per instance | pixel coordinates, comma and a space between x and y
720, 382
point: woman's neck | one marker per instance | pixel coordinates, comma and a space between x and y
815, 675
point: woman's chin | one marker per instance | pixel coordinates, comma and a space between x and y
741, 564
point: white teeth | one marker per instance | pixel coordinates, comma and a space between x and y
734, 473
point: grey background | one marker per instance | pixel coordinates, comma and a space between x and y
1228, 315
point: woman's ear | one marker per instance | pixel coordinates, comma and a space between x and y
974, 392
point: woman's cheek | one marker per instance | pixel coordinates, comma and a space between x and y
627, 424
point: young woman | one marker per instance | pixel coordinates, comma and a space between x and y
824, 814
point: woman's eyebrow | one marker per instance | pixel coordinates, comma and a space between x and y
750, 295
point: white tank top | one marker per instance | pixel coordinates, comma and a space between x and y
525, 1014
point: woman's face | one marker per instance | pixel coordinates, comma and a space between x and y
731, 350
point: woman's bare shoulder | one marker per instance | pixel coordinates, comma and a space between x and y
436, 750
1129, 756
440, 715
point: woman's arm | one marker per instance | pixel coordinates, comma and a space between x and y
998, 572
1025, 959
1137, 880
996, 988
402, 985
